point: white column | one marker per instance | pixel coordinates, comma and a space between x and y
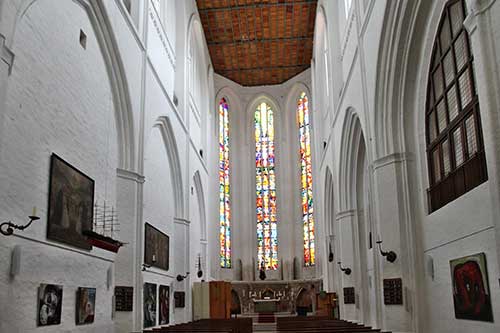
129, 258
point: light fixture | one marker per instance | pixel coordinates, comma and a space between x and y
391, 256
200, 272
346, 270
181, 278
330, 254
7, 228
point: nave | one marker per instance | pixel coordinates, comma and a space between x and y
171, 164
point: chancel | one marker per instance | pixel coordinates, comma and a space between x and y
235, 166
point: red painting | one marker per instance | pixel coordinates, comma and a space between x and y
471, 292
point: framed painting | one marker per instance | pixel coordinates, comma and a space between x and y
471, 290
164, 300
71, 202
49, 304
156, 252
149, 305
85, 305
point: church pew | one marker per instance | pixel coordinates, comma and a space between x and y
319, 324
240, 325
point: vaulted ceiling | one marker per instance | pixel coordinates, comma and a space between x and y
259, 42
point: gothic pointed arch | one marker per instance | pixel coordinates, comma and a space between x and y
264, 109
164, 125
99, 19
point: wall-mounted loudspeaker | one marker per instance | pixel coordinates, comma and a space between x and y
15, 261
430, 266
109, 277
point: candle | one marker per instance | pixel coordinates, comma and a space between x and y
34, 211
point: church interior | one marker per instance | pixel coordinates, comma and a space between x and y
237, 166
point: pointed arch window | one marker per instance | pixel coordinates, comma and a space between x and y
306, 185
455, 149
267, 232
224, 186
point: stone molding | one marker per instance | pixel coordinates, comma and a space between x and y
6, 54
392, 159
130, 175
345, 214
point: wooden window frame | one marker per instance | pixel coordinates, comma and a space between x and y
472, 171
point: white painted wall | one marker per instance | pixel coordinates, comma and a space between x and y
384, 49
108, 110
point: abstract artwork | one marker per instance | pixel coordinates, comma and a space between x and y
49, 304
306, 182
164, 300
156, 248
85, 305
149, 305
265, 180
224, 187
471, 291
71, 202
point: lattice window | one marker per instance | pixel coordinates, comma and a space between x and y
454, 137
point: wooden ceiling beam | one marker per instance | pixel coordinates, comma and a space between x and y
263, 68
216, 9
261, 40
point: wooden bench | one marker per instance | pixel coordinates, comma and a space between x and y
239, 325
319, 325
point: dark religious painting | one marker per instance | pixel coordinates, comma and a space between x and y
156, 248
471, 291
85, 305
149, 305
71, 201
49, 304
164, 300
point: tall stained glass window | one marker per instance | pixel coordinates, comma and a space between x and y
267, 233
224, 189
306, 194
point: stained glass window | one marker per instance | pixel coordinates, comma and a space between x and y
267, 233
306, 186
224, 189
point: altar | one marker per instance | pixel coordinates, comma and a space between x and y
266, 305
271, 296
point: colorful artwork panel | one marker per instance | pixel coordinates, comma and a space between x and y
471, 290
85, 305
71, 204
49, 304
149, 305
164, 300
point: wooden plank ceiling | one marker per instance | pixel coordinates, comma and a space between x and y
259, 42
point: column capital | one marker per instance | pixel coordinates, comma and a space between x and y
392, 159
182, 221
130, 175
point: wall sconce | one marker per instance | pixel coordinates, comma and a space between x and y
181, 278
391, 256
7, 228
200, 271
330, 254
346, 270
